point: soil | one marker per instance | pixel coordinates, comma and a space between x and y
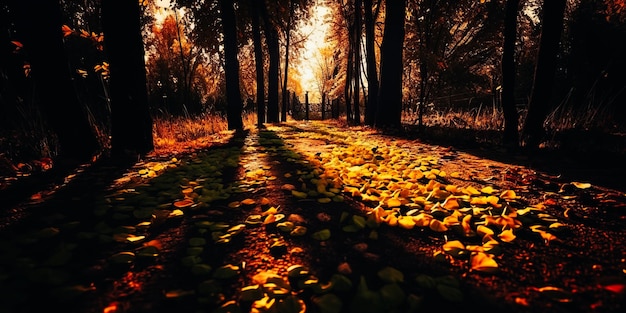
109, 237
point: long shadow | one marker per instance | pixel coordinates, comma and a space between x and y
587, 156
409, 251
49, 249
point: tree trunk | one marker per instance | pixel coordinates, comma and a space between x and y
131, 123
231, 66
391, 66
423, 91
347, 90
54, 91
258, 59
272, 46
372, 72
508, 74
285, 93
545, 69
357, 60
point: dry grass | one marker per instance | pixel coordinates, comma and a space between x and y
480, 118
177, 134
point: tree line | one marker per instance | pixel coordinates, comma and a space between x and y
120, 62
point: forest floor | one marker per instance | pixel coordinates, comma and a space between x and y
316, 217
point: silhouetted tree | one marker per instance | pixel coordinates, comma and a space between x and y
258, 61
357, 58
131, 123
54, 91
271, 36
389, 112
231, 67
508, 74
545, 68
372, 71
285, 93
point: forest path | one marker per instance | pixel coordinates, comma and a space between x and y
308, 214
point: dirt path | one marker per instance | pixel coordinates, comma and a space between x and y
308, 215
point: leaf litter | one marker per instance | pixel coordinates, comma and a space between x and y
481, 222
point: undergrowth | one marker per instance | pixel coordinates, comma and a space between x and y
27, 138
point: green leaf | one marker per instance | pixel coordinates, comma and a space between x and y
190, 260
290, 304
358, 221
450, 293
285, 226
414, 302
392, 295
328, 303
365, 300
197, 241
201, 269
226, 272
251, 293
297, 271
322, 235
122, 258
341, 283
425, 281
391, 275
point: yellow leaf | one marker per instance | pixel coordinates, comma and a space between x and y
422, 219
269, 219
265, 201
471, 191
451, 203
324, 200
547, 236
394, 203
483, 262
507, 235
288, 187
453, 245
484, 230
488, 190
438, 226
508, 195
66, 30
248, 201
580, 185
270, 211
406, 222
556, 225
183, 203
392, 220
299, 194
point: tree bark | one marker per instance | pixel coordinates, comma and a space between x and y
511, 136
390, 93
231, 66
258, 61
545, 69
131, 123
53, 91
271, 35
286, 76
357, 60
372, 71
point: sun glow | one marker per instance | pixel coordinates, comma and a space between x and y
315, 42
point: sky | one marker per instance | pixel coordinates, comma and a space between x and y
316, 40
316, 27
